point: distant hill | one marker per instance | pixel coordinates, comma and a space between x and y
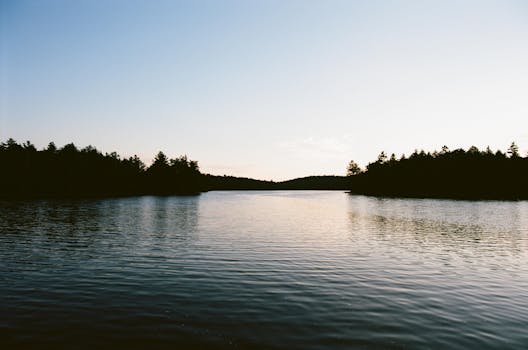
330, 182
216, 182
327, 182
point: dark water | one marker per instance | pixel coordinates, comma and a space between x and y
271, 270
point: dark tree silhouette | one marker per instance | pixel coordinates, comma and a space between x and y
513, 150
353, 168
470, 174
70, 172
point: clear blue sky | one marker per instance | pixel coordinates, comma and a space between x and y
265, 89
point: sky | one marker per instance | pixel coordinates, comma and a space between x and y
265, 89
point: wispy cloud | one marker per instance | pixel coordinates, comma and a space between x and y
320, 147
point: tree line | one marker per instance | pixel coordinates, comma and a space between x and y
72, 172
87, 172
459, 173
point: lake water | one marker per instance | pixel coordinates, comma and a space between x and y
270, 270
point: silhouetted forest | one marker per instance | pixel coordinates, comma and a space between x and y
471, 174
72, 172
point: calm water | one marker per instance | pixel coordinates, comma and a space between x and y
271, 270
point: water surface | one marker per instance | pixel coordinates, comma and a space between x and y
270, 270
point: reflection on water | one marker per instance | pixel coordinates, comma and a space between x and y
489, 229
276, 269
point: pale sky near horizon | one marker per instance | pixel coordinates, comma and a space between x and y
265, 89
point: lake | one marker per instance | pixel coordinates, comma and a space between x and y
264, 270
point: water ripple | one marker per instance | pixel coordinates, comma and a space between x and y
270, 270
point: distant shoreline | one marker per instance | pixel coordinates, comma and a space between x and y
69, 172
